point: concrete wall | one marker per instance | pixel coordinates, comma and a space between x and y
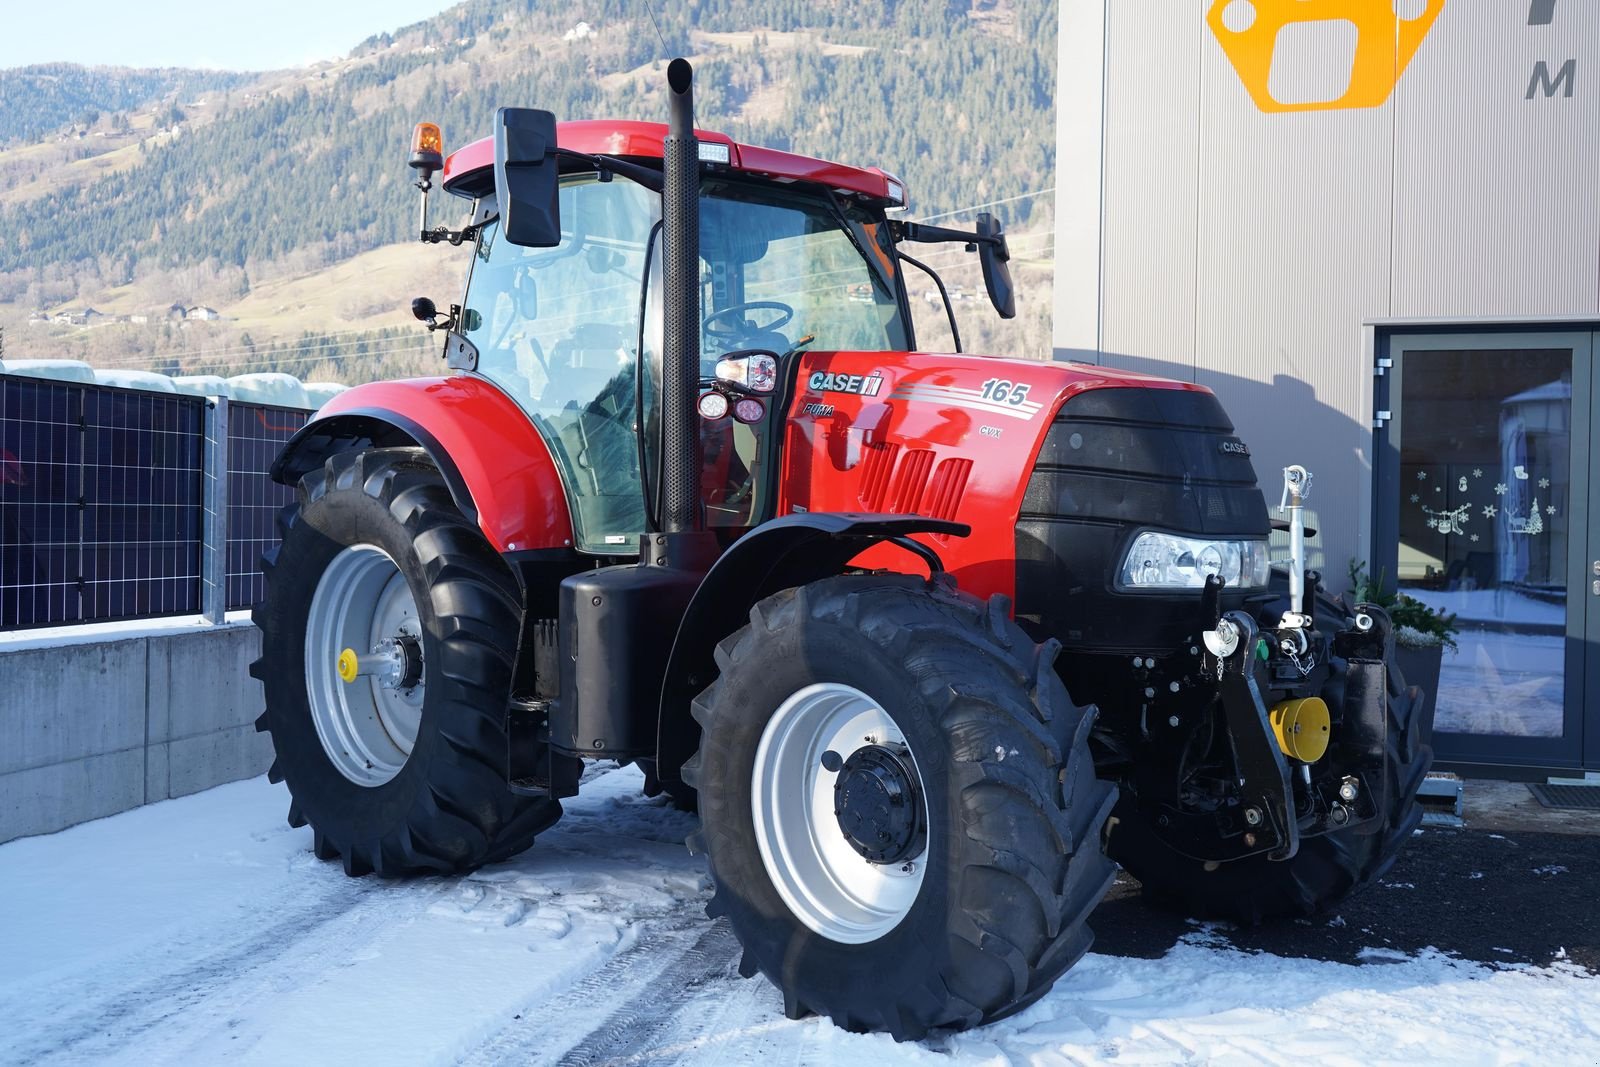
106, 723
1205, 233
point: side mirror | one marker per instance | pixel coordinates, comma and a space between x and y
525, 177
995, 255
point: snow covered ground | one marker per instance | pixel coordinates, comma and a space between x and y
202, 930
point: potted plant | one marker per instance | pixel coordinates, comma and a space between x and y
1421, 634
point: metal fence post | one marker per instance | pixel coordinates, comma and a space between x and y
214, 496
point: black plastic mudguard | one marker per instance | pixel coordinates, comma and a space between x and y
780, 554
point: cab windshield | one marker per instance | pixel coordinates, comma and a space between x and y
561, 330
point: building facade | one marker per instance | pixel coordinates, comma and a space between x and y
1373, 228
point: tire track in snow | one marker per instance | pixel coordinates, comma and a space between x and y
192, 989
644, 981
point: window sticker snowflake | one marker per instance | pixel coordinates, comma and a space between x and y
1544, 483
1477, 472
1489, 511
1474, 538
1415, 498
1501, 489
1550, 509
1422, 476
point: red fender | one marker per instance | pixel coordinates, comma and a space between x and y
498, 468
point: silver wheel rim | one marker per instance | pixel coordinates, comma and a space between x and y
826, 883
368, 723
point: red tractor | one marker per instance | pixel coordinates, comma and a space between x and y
930, 639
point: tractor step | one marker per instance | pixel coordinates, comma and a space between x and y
1441, 796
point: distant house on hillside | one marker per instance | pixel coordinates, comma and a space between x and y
177, 311
200, 311
139, 320
76, 316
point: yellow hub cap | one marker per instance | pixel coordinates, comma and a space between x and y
1302, 728
348, 664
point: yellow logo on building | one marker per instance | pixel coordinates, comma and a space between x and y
1386, 35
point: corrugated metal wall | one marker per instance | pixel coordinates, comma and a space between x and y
1245, 249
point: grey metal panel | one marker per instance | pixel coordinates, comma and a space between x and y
1150, 197
1080, 96
1497, 195
1294, 238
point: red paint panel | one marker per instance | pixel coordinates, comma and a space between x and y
930, 413
643, 140
505, 464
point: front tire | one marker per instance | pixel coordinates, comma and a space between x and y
961, 889
398, 769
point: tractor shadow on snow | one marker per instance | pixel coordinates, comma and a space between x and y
1523, 898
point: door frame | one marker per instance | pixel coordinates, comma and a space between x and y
1578, 747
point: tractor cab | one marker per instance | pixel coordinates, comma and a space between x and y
573, 331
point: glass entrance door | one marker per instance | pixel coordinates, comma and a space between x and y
1488, 483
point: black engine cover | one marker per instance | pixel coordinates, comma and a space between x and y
1116, 462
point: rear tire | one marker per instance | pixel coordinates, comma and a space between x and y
1326, 870
440, 803
1010, 863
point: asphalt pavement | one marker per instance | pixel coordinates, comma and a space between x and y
1519, 885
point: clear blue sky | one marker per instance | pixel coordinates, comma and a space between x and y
228, 34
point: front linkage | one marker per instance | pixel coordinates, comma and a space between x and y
1304, 720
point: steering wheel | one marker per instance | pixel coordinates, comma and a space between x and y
740, 327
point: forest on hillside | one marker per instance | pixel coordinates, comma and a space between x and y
296, 172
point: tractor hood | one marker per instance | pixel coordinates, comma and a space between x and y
1056, 466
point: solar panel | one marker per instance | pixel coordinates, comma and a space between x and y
41, 481
141, 503
256, 433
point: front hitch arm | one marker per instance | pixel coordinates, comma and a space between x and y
1266, 796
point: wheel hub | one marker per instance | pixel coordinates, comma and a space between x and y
879, 806
366, 706
800, 809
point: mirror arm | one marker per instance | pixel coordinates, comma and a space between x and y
925, 234
650, 179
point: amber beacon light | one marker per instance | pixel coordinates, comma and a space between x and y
427, 149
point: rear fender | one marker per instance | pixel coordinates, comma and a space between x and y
780, 554
499, 471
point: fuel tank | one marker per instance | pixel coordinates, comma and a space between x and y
1056, 466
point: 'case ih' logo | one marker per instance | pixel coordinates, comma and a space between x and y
1233, 448
1385, 35
859, 384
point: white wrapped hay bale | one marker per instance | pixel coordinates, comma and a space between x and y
270, 387
61, 370
319, 393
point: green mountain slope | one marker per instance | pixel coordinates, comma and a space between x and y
297, 171
43, 99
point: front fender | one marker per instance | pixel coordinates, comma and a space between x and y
780, 554
498, 468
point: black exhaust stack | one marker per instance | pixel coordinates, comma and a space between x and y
680, 234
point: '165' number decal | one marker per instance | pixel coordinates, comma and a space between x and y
1005, 391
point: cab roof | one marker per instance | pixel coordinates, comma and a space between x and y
469, 171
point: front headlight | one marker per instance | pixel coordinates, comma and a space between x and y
1167, 561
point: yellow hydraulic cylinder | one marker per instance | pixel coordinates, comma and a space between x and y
1302, 728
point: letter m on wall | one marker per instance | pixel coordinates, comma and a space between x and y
1564, 81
